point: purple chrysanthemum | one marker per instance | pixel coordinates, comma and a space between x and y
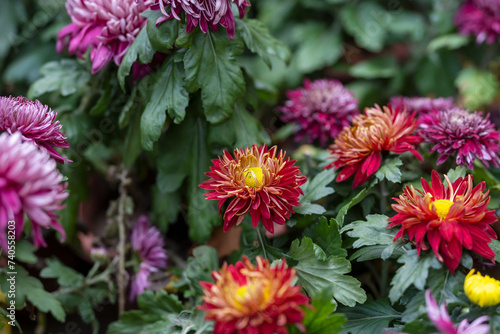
321, 109
468, 135
108, 27
148, 246
205, 13
29, 184
35, 121
422, 105
480, 18
441, 319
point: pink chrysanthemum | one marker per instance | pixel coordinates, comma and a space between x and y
108, 27
148, 247
358, 149
480, 18
248, 299
35, 121
466, 135
321, 109
205, 13
29, 184
259, 180
447, 219
422, 105
441, 319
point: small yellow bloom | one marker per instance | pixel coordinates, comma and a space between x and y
483, 291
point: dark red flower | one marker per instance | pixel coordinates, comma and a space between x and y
265, 184
248, 299
447, 219
358, 149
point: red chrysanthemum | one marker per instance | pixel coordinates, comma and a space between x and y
108, 27
205, 13
248, 299
321, 109
446, 218
358, 149
458, 132
266, 184
29, 184
480, 18
35, 121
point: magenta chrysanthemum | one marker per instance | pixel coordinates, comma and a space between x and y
205, 13
35, 121
148, 246
442, 321
480, 18
422, 105
108, 27
321, 109
29, 184
466, 135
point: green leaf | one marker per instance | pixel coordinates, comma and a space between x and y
66, 276
371, 317
454, 174
414, 271
169, 94
377, 67
258, 39
31, 289
141, 49
319, 47
211, 66
200, 266
373, 231
163, 37
390, 171
495, 246
242, 129
327, 236
366, 23
383, 252
316, 275
436, 73
314, 190
165, 208
152, 308
407, 23
65, 76
320, 319
352, 201
449, 41
25, 252
477, 87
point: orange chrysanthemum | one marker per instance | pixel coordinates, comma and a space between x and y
265, 184
248, 299
448, 218
358, 149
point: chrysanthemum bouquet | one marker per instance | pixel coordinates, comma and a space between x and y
250, 166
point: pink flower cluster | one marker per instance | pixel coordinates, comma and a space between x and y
148, 245
480, 18
321, 109
421, 105
203, 13
107, 27
458, 132
30, 183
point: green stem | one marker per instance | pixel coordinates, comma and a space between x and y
261, 242
384, 270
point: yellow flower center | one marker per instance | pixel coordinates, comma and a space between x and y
253, 177
442, 207
483, 291
253, 295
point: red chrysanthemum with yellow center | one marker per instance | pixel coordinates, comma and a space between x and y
358, 149
446, 218
260, 180
248, 299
